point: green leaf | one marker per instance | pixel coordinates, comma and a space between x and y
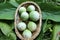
56, 30
5, 28
14, 3
1, 1
45, 26
12, 36
50, 10
20, 1
55, 16
6, 6
7, 31
49, 7
58, 0
7, 14
12, 25
7, 11
3, 37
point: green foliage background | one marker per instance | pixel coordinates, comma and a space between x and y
50, 13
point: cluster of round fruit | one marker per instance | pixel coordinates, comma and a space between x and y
25, 14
